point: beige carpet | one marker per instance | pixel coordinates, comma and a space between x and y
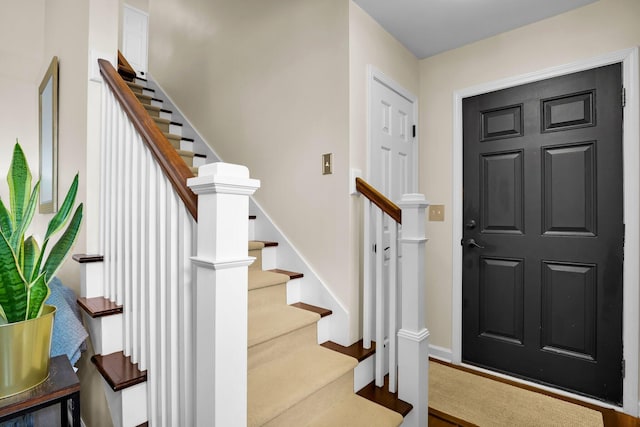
486, 402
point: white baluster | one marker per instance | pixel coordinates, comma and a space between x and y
380, 300
367, 291
393, 304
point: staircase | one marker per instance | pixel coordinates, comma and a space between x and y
292, 380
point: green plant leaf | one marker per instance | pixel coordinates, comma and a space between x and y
63, 246
19, 180
13, 292
63, 214
37, 294
21, 226
31, 252
6, 223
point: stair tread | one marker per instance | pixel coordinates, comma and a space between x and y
137, 86
356, 411
185, 153
323, 312
86, 258
270, 321
118, 370
261, 279
356, 350
255, 245
172, 136
382, 396
99, 306
292, 274
281, 383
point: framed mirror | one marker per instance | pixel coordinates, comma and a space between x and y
48, 103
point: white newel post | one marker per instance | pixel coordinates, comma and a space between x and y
413, 336
221, 293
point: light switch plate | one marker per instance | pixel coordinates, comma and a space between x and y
327, 164
436, 212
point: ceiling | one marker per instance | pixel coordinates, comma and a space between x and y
428, 27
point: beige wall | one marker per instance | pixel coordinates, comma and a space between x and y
605, 26
267, 85
21, 49
369, 44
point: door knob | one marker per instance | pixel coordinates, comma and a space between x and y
471, 243
470, 225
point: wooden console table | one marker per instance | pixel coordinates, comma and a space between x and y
61, 386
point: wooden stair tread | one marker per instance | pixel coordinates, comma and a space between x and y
292, 274
382, 396
99, 306
86, 258
268, 244
323, 312
118, 370
355, 350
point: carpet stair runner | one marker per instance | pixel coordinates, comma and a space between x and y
282, 347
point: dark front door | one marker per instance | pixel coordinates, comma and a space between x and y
543, 232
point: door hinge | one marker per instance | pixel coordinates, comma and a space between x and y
414, 131
623, 368
624, 97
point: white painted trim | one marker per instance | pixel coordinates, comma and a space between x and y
222, 264
631, 178
373, 74
440, 353
414, 336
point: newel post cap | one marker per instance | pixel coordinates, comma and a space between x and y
413, 200
224, 178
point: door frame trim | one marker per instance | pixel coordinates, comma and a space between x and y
631, 194
373, 75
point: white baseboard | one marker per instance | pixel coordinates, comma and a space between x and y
441, 353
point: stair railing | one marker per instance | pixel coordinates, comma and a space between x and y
179, 281
394, 309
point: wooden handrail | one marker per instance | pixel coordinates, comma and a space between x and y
379, 200
124, 68
174, 168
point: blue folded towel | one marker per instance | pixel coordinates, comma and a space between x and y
69, 334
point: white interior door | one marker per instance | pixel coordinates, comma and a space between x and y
135, 39
392, 167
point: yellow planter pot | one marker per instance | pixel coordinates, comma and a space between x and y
24, 353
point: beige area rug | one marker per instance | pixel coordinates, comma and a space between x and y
486, 402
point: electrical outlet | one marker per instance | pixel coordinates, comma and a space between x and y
436, 212
327, 164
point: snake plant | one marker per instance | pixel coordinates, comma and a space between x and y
26, 268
